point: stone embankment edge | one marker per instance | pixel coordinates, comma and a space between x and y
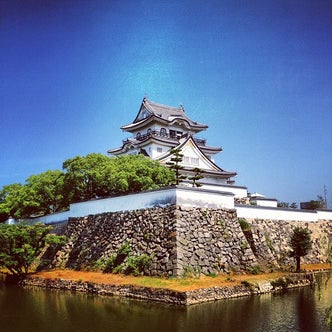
183, 298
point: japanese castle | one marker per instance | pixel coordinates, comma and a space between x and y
158, 128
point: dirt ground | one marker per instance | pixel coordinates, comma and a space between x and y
179, 284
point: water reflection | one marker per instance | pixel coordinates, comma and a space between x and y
41, 310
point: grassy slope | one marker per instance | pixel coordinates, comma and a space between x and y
179, 284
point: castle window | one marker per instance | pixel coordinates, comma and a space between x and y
163, 132
149, 131
138, 135
186, 160
160, 150
194, 161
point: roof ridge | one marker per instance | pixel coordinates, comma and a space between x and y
152, 103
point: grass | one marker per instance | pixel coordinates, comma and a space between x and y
176, 284
179, 284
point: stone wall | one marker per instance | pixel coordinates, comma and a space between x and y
210, 241
151, 231
187, 240
190, 297
269, 240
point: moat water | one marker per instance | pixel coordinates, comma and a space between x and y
37, 310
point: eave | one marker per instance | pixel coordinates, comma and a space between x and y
141, 143
132, 127
163, 114
215, 169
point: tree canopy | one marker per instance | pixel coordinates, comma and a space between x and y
175, 164
196, 177
82, 178
300, 243
21, 244
99, 176
320, 203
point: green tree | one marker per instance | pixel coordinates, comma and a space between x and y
300, 242
287, 205
175, 164
84, 178
319, 203
129, 174
45, 192
41, 194
96, 175
82, 174
21, 244
293, 205
196, 177
11, 201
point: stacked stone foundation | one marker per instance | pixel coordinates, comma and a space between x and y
184, 241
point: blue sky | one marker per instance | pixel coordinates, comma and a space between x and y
259, 73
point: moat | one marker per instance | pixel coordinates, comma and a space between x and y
36, 309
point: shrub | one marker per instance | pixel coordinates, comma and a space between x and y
131, 266
144, 262
245, 226
255, 270
300, 242
248, 284
268, 242
123, 262
191, 272
21, 244
244, 245
281, 282
109, 264
212, 274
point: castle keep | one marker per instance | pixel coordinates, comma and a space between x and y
158, 128
180, 227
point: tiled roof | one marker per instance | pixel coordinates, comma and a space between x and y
166, 113
215, 169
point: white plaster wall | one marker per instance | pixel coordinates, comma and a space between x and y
239, 192
184, 196
252, 212
265, 202
324, 214
152, 150
124, 203
180, 196
213, 181
200, 197
189, 151
51, 218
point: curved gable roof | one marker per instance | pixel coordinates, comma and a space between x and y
161, 112
189, 141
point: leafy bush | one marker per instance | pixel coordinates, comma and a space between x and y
21, 244
255, 270
109, 264
83, 178
123, 262
300, 243
268, 242
191, 272
212, 275
248, 284
281, 282
245, 226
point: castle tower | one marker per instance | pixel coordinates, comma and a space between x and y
158, 128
